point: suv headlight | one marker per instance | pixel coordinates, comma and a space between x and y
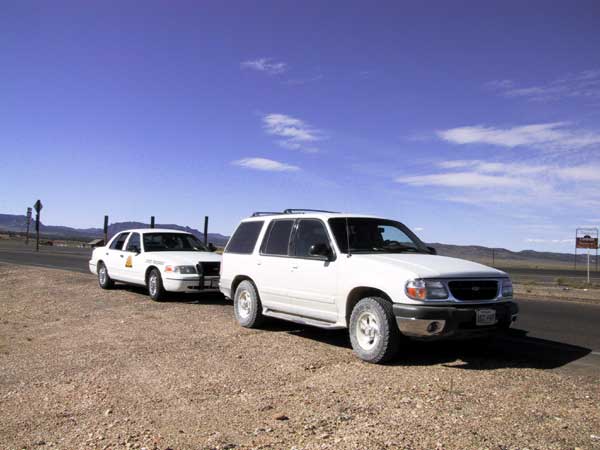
184, 270
426, 290
507, 288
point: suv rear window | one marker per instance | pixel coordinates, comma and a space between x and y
245, 237
277, 238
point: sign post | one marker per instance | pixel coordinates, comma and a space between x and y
586, 238
38, 207
205, 230
105, 230
28, 224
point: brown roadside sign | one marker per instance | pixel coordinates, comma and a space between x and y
587, 241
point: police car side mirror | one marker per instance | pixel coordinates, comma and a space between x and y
211, 247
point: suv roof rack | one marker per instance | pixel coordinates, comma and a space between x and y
303, 210
265, 213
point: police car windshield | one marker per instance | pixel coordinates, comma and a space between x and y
172, 242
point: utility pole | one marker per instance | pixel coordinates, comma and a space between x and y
28, 223
205, 230
105, 230
151, 221
493, 257
38, 207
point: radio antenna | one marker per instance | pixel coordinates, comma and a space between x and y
348, 238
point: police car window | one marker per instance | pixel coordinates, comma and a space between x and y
117, 244
133, 244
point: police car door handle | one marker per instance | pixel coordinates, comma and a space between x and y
121, 256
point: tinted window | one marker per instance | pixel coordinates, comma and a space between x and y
117, 244
133, 244
277, 237
244, 238
370, 235
172, 242
309, 233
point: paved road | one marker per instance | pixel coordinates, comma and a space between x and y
74, 259
549, 334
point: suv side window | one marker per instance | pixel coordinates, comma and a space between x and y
245, 237
117, 244
277, 238
133, 244
309, 233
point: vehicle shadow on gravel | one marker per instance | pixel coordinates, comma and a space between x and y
201, 298
511, 350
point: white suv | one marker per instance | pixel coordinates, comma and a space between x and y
369, 274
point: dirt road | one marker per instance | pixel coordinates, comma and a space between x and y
86, 368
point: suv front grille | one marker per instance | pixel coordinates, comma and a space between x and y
209, 269
474, 289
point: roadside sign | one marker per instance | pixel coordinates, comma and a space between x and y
38, 206
587, 238
29, 215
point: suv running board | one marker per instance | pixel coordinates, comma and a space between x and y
302, 320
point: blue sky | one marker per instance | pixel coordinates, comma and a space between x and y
472, 123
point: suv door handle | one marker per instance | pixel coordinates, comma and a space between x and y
121, 256
294, 266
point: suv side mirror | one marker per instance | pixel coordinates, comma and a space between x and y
135, 249
432, 250
211, 247
321, 250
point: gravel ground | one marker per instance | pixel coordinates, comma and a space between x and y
86, 368
548, 291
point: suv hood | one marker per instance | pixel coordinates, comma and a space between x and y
183, 258
434, 266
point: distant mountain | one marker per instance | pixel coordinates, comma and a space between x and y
479, 253
18, 224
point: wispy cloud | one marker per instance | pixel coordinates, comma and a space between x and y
534, 185
295, 133
585, 84
267, 65
545, 136
265, 165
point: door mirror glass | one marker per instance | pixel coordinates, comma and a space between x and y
320, 250
432, 250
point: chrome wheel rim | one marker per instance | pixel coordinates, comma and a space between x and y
102, 275
244, 304
367, 330
152, 285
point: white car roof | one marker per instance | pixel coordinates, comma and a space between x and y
153, 230
308, 215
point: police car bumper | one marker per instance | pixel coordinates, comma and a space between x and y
191, 284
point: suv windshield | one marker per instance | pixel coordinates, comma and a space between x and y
172, 242
369, 235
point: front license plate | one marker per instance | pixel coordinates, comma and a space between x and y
485, 317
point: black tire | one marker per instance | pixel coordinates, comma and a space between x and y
156, 291
374, 335
104, 279
247, 306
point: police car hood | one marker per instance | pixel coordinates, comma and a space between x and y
183, 258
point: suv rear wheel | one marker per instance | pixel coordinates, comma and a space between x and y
373, 331
247, 306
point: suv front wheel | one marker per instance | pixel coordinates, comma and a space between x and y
247, 306
373, 331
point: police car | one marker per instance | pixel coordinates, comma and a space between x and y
162, 260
